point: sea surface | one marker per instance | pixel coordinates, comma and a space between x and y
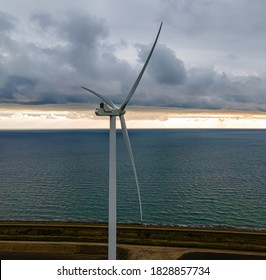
206, 178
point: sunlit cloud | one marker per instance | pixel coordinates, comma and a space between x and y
144, 117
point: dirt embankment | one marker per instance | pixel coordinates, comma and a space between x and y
58, 240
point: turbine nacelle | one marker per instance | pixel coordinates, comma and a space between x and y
105, 110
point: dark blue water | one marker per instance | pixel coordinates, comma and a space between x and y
211, 178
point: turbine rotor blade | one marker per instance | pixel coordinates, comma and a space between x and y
125, 102
103, 98
128, 145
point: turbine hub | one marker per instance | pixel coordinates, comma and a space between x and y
105, 110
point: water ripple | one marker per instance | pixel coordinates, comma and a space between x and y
195, 178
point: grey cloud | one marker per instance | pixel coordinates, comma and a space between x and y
7, 22
7, 25
17, 87
83, 29
229, 26
200, 80
164, 66
206, 88
82, 58
43, 19
81, 34
191, 16
35, 73
49, 98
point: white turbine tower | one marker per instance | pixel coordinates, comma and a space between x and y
108, 108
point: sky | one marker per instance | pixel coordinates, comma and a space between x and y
210, 54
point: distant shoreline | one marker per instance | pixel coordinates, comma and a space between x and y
80, 240
142, 225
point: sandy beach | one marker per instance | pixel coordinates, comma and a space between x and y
59, 240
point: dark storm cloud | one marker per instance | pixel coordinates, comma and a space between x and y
204, 88
80, 56
83, 34
80, 33
16, 87
86, 52
165, 67
196, 87
207, 89
73, 49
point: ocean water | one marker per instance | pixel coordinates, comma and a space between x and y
208, 178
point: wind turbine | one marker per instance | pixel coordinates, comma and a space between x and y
108, 108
